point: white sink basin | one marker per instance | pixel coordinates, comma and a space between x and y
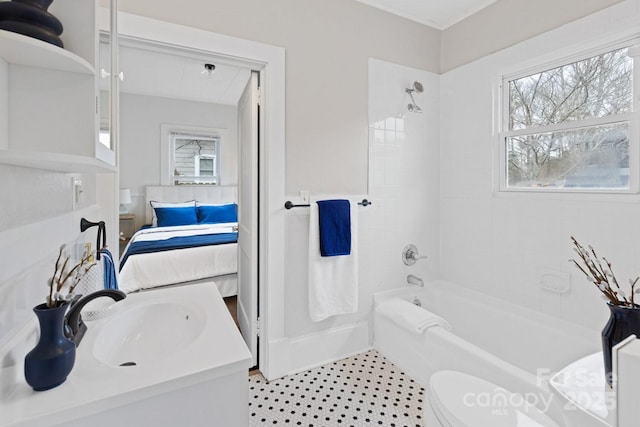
182, 340
148, 333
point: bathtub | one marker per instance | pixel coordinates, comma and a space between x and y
509, 345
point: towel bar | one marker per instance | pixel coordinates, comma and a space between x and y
288, 204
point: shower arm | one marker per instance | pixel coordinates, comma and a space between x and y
410, 92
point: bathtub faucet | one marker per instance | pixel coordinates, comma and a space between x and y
413, 280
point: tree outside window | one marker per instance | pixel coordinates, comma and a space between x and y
569, 126
195, 159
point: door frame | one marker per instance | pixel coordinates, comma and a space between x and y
270, 61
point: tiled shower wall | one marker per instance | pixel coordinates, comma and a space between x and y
404, 175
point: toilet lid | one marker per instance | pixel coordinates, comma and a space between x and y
461, 400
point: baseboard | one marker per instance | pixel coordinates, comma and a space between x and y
292, 355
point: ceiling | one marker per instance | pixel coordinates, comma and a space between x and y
439, 14
177, 75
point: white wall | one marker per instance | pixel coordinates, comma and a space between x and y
327, 44
140, 120
501, 243
507, 22
36, 217
404, 189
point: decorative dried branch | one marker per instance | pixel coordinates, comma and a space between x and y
61, 276
602, 276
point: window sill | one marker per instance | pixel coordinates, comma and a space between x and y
628, 196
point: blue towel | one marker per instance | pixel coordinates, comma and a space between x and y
335, 227
109, 269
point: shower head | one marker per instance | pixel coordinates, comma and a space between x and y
415, 87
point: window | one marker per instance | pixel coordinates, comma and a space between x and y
570, 127
195, 158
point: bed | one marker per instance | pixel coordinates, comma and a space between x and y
189, 252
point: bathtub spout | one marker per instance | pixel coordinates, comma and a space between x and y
413, 280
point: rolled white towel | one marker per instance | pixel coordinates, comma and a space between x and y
410, 316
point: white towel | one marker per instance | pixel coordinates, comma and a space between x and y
410, 316
333, 281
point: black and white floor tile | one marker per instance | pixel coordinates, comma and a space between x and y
362, 390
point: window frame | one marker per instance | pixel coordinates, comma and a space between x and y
502, 103
197, 163
167, 158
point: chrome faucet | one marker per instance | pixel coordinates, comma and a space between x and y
76, 328
413, 280
410, 255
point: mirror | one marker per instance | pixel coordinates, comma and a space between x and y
106, 102
104, 74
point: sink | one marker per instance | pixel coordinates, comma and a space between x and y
153, 346
148, 333
586, 398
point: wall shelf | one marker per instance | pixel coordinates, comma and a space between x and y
22, 50
67, 163
49, 116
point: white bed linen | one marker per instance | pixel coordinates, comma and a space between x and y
144, 271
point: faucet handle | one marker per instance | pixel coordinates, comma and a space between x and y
410, 255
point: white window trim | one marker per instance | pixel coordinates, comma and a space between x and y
557, 59
166, 147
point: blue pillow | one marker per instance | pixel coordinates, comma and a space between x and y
214, 214
168, 217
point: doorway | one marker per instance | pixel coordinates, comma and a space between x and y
270, 60
201, 114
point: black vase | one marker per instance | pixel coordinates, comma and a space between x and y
623, 321
51, 360
30, 18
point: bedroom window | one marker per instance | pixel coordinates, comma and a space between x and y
195, 159
571, 126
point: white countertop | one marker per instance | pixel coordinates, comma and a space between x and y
93, 386
583, 385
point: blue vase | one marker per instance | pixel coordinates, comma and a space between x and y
30, 18
52, 359
623, 321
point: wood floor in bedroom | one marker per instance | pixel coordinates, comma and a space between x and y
232, 306
362, 390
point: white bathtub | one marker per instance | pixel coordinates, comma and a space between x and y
512, 346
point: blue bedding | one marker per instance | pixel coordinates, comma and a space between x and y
181, 242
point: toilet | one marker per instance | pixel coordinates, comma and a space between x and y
456, 399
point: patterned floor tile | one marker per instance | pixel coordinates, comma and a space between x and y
362, 390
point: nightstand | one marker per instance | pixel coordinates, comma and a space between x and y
127, 228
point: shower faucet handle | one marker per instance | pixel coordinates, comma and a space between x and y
410, 255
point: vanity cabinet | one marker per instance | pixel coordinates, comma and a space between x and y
49, 108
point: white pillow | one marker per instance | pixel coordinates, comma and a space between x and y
154, 205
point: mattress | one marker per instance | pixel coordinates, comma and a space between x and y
168, 266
